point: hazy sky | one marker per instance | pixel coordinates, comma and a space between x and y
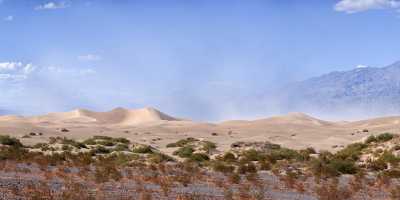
201, 59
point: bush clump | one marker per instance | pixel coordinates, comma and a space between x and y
351, 152
10, 141
384, 137
143, 149
198, 157
182, 143
184, 152
223, 167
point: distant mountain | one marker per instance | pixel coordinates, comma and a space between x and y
359, 93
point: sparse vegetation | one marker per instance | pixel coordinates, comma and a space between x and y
106, 160
182, 143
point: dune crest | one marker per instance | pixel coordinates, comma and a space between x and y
117, 116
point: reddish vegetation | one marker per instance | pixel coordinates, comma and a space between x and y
253, 174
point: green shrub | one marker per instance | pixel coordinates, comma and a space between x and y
228, 157
371, 139
219, 166
121, 140
344, 166
184, 152
284, 154
10, 141
90, 141
199, 157
209, 146
101, 150
121, 147
252, 155
159, 158
388, 157
183, 142
351, 152
101, 137
108, 143
384, 137
320, 168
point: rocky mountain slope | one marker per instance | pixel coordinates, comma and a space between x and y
358, 93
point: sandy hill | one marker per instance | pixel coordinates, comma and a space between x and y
117, 116
291, 118
148, 125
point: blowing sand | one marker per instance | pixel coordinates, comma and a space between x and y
150, 126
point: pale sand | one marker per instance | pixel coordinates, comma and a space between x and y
150, 126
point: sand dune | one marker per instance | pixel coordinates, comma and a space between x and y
117, 116
148, 125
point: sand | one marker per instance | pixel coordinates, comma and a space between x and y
150, 126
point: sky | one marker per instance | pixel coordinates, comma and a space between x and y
202, 59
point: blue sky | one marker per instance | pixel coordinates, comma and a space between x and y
204, 59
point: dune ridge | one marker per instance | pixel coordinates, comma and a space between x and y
149, 125
117, 116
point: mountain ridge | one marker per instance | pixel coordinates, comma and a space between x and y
369, 91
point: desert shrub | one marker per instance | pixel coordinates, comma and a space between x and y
264, 165
252, 155
89, 141
159, 158
209, 146
228, 157
284, 154
13, 153
184, 152
371, 139
120, 159
121, 140
10, 141
183, 142
223, 167
199, 157
320, 166
244, 168
101, 150
384, 137
344, 166
328, 164
388, 157
377, 165
142, 149
40, 145
73, 143
121, 147
108, 143
66, 147
351, 152
102, 137
83, 159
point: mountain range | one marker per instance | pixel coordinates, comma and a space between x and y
358, 93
